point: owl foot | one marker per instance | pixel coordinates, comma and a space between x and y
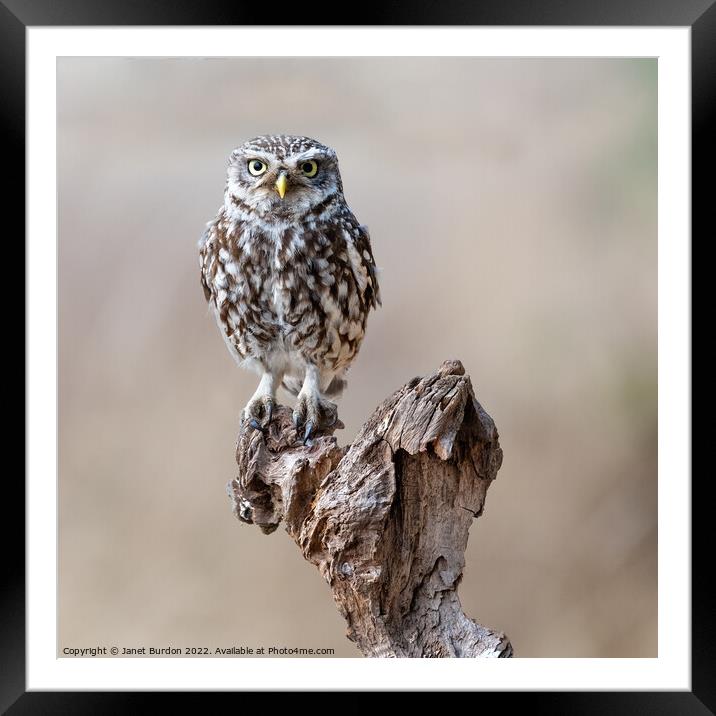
313, 413
258, 412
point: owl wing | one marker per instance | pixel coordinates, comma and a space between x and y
366, 252
363, 263
209, 245
203, 265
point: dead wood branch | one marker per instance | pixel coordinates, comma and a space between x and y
385, 520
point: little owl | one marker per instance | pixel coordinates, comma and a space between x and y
289, 274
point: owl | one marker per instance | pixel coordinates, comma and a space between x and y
289, 274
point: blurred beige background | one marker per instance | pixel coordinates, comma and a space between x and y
512, 207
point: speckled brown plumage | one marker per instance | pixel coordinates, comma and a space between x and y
291, 278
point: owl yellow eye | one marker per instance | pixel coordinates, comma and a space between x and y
309, 168
256, 167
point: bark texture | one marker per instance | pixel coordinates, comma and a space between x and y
386, 519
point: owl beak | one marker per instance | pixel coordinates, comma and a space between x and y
281, 185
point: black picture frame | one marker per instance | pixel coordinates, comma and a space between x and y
17, 15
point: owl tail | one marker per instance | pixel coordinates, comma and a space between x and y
335, 387
293, 385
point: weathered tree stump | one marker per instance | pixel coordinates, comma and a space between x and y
386, 519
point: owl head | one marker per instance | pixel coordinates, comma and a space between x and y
282, 176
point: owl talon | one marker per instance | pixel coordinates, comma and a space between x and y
314, 413
257, 414
307, 433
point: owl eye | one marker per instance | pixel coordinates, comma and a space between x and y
309, 168
256, 167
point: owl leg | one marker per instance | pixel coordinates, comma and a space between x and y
312, 410
259, 409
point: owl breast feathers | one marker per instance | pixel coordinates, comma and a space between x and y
286, 267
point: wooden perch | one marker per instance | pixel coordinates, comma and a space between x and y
386, 519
